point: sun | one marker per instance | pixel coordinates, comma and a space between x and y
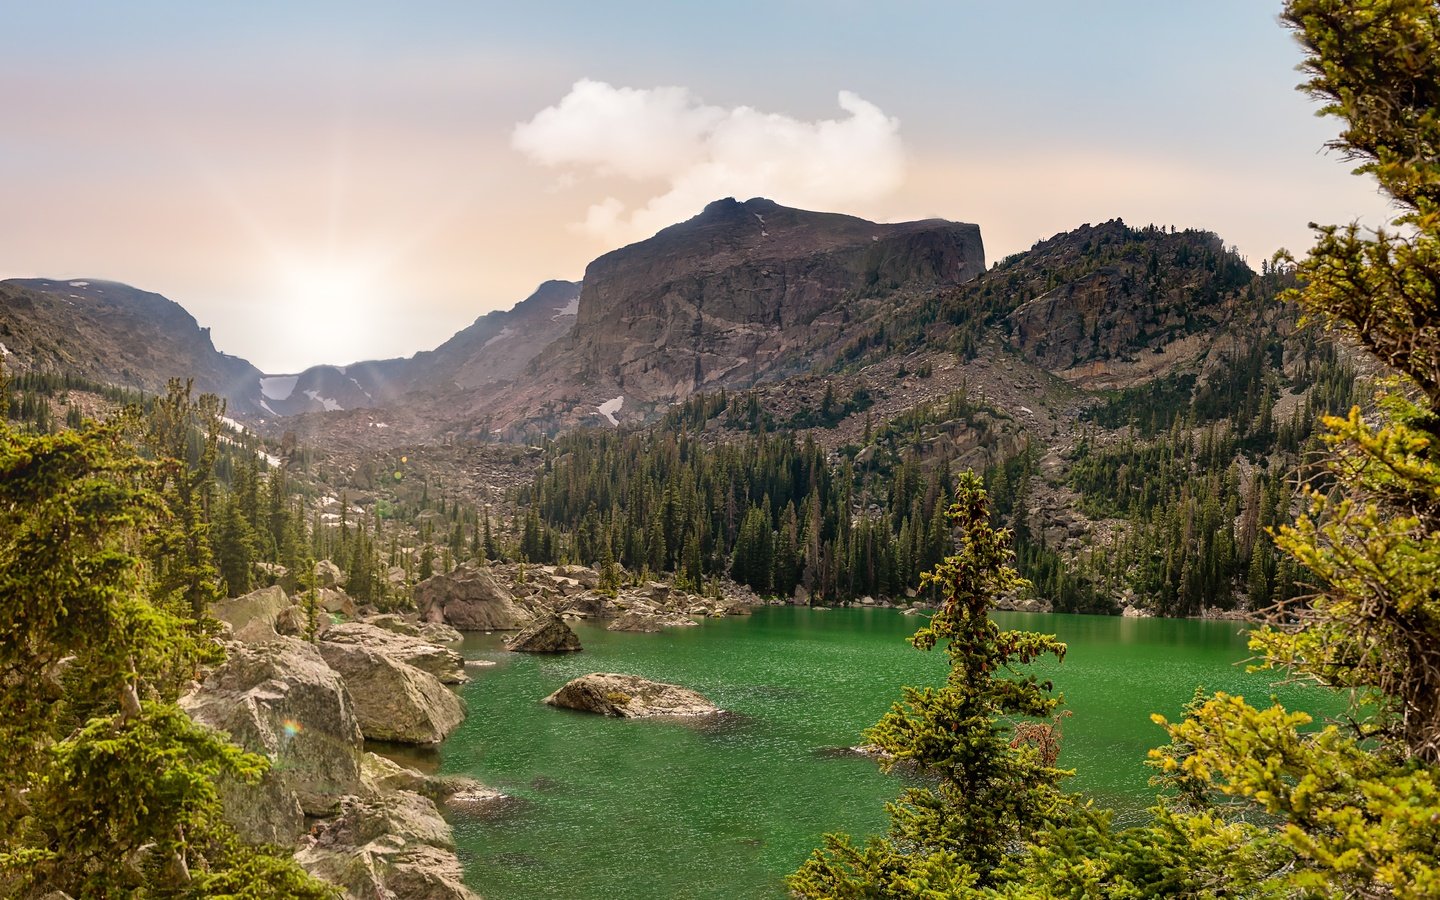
333, 307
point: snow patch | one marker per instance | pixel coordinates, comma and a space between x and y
330, 405
265, 406
4, 351
570, 309
379, 424
505, 332
609, 408
79, 284
1026, 409
361, 389
272, 461
278, 387
232, 424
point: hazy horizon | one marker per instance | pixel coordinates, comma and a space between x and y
348, 182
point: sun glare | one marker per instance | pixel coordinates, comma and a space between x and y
332, 308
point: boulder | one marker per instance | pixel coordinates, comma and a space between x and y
630, 696
292, 621
328, 575
442, 662
394, 701
251, 617
335, 600
650, 621
546, 633
281, 700
392, 622
456, 792
469, 599
440, 633
389, 846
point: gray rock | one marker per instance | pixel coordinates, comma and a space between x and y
394, 701
392, 622
335, 600
442, 662
280, 699
387, 847
440, 633
328, 575
650, 621
252, 616
469, 599
630, 696
546, 633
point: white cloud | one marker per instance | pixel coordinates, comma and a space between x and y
698, 153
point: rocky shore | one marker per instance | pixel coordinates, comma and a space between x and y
307, 688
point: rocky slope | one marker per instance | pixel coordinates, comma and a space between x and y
110, 332
493, 350
742, 293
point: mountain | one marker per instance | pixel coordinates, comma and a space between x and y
111, 332
494, 349
740, 294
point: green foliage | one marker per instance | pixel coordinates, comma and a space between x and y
108, 788
991, 790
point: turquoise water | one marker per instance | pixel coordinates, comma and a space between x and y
610, 808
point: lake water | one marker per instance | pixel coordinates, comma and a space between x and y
611, 808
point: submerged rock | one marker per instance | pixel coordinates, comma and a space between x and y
630, 696
280, 699
469, 599
394, 701
546, 633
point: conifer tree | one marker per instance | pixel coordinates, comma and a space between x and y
992, 791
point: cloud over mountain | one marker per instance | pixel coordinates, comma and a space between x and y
698, 152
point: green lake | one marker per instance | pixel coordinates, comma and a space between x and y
611, 808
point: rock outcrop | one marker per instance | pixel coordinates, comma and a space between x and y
546, 633
630, 696
442, 662
389, 846
394, 701
469, 599
280, 699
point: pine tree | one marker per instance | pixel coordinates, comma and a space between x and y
109, 789
994, 788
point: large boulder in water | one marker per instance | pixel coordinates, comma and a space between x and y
442, 662
630, 696
389, 846
280, 699
394, 701
546, 633
469, 599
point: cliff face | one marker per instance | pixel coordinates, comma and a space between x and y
731, 295
111, 332
741, 293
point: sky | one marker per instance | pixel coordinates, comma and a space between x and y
329, 182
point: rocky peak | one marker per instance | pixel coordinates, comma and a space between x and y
740, 293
